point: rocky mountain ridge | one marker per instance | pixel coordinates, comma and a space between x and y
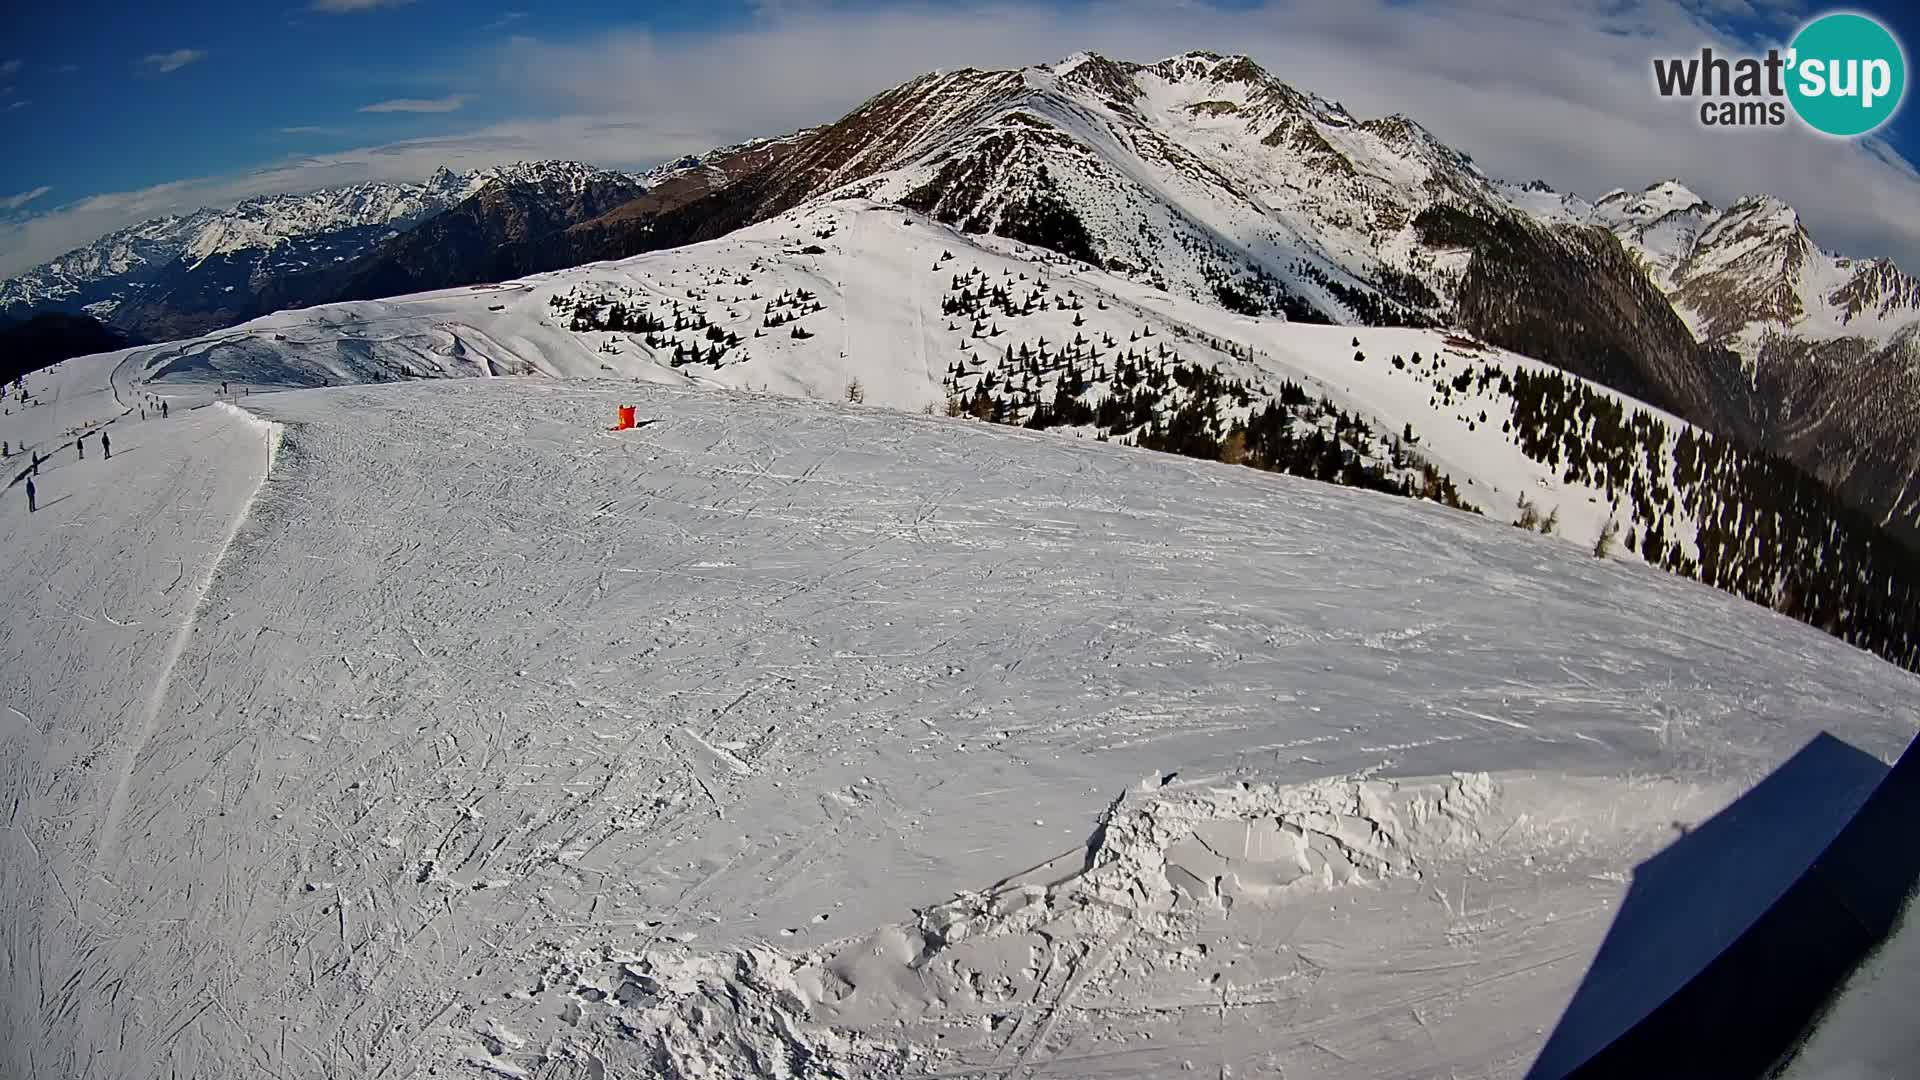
124, 277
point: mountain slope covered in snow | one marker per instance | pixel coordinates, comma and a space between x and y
1202, 173
435, 729
851, 299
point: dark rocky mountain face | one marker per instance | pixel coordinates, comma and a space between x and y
27, 346
765, 180
1847, 412
687, 183
477, 241
472, 242
1573, 297
226, 288
1843, 411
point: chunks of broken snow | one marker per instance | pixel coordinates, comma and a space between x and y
1162, 862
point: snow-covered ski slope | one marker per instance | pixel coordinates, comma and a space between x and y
870, 286
435, 729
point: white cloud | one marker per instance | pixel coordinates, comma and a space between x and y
21, 104
451, 103
312, 129
175, 60
342, 7
11, 67
1529, 89
505, 19
15, 202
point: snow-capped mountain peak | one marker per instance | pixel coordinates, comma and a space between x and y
1663, 197
267, 220
1741, 273
564, 176
1073, 61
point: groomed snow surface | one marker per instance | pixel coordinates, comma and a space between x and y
434, 729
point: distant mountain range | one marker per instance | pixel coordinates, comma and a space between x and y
1201, 174
185, 274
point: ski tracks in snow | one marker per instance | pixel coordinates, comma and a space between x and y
487, 714
129, 752
122, 531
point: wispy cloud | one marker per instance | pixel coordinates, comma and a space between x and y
175, 60
21, 104
506, 19
15, 202
344, 7
451, 103
11, 67
312, 129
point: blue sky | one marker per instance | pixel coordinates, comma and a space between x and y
116, 111
254, 84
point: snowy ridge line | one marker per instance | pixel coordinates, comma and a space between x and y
156, 698
1160, 863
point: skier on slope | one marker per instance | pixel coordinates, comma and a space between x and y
106, 445
33, 505
81, 442
163, 410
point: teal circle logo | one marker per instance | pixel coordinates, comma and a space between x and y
1847, 74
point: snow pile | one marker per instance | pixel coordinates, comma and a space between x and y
1188, 896
1155, 854
1160, 862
